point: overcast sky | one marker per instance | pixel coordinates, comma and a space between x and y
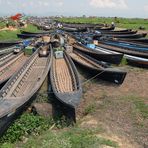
119, 8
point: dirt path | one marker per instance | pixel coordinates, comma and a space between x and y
120, 110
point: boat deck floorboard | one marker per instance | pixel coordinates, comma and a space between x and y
11, 67
62, 76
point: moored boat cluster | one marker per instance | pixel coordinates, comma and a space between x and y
25, 64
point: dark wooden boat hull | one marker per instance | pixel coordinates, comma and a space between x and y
138, 62
108, 74
7, 114
142, 41
35, 33
80, 25
69, 99
26, 36
7, 120
105, 28
124, 50
110, 58
6, 50
8, 44
68, 29
131, 36
118, 33
129, 42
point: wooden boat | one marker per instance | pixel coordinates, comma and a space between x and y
142, 41
137, 61
36, 33
133, 36
80, 25
9, 65
107, 57
123, 30
70, 29
24, 84
125, 45
118, 33
124, 50
7, 50
104, 28
97, 67
65, 81
132, 60
26, 36
129, 42
4, 44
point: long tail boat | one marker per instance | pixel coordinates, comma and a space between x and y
114, 58
9, 65
24, 84
65, 80
4, 44
133, 52
97, 67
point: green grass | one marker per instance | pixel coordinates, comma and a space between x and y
31, 28
139, 105
12, 35
120, 22
2, 24
26, 125
67, 138
91, 108
123, 62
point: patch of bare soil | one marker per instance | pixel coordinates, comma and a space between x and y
112, 107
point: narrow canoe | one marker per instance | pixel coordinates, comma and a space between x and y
20, 89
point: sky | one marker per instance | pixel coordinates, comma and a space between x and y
107, 8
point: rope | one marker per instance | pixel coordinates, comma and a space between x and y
45, 93
93, 77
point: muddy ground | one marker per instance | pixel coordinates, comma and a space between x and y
121, 111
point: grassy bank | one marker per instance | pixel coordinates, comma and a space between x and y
12, 35
120, 22
35, 131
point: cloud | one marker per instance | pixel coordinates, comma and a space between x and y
146, 8
116, 4
60, 3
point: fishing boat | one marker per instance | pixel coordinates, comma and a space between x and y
104, 28
65, 79
26, 36
81, 25
9, 64
72, 29
4, 44
137, 61
122, 30
118, 33
128, 42
7, 50
36, 33
132, 60
127, 45
22, 86
101, 56
97, 67
130, 36
142, 41
128, 51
